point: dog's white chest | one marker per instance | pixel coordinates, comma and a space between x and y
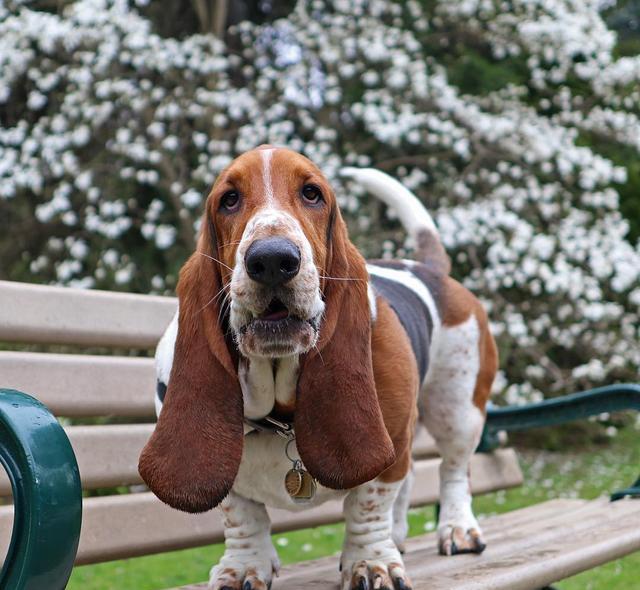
266, 383
263, 469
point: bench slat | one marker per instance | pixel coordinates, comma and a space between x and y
138, 524
107, 455
83, 385
59, 315
528, 548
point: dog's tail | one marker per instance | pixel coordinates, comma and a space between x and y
411, 212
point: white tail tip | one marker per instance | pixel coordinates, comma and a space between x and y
411, 212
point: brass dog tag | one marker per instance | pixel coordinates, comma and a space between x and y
293, 482
307, 489
299, 483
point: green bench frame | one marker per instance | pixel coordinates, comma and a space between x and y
47, 495
47, 492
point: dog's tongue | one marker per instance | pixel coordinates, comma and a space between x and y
276, 311
276, 315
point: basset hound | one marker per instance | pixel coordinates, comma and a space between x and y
295, 372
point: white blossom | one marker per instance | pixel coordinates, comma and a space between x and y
124, 131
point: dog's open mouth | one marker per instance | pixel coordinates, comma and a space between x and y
276, 321
276, 311
277, 331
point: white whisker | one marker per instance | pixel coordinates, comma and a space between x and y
215, 260
225, 301
229, 244
339, 278
213, 298
315, 346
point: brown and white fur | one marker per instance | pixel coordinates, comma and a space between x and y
334, 350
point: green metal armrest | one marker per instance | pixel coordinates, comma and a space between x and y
47, 495
550, 412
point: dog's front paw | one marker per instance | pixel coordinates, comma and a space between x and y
456, 539
384, 572
375, 575
230, 574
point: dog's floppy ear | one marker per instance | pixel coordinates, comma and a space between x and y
341, 436
192, 458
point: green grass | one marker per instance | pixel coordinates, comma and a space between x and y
593, 471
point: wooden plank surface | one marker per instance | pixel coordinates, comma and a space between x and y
79, 385
425, 544
138, 524
59, 315
526, 549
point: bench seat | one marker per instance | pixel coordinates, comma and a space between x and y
526, 549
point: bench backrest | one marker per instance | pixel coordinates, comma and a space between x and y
105, 379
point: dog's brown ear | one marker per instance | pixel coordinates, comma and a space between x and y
191, 460
340, 433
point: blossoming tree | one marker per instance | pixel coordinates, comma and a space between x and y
112, 134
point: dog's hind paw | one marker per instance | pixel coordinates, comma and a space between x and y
453, 540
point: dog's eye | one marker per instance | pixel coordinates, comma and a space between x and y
311, 194
230, 201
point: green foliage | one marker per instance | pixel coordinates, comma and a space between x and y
474, 71
624, 18
630, 198
629, 191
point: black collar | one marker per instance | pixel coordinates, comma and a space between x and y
269, 424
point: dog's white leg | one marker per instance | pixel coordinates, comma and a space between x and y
370, 558
400, 509
250, 559
456, 424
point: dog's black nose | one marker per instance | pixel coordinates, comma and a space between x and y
272, 261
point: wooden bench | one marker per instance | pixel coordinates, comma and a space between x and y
104, 377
